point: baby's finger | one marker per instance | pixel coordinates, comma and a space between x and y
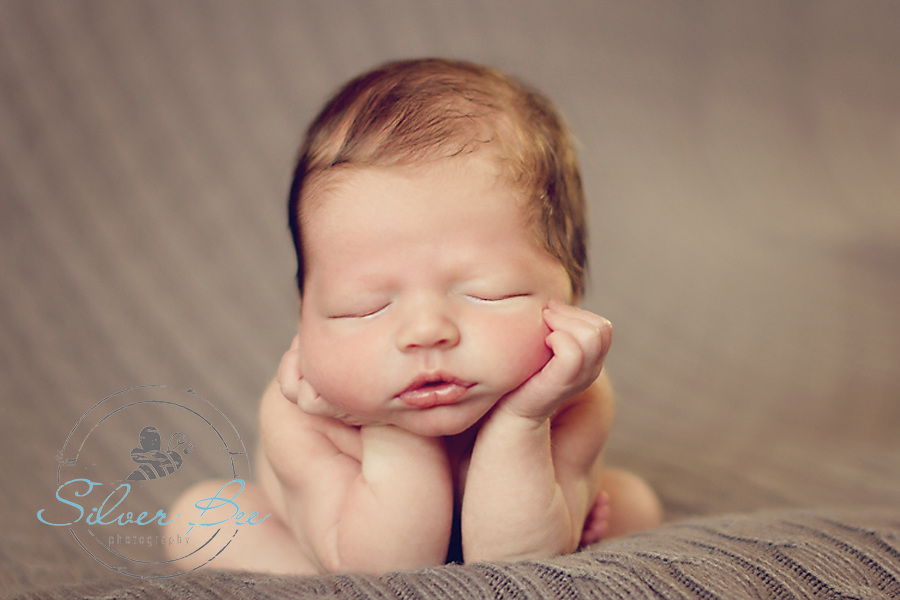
568, 359
289, 375
311, 402
576, 312
585, 325
562, 377
592, 332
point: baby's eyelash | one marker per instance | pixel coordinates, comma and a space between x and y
362, 315
478, 298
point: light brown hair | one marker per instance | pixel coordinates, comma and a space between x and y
410, 111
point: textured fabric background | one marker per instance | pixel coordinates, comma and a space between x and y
742, 161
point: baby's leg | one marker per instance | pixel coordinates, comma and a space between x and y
632, 505
596, 524
626, 504
265, 547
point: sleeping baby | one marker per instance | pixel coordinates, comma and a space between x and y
444, 397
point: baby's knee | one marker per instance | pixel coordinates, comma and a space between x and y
633, 505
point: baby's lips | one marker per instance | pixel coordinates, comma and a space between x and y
430, 396
434, 389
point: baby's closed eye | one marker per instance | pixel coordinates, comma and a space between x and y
361, 312
487, 298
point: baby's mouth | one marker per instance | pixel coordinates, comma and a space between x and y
428, 391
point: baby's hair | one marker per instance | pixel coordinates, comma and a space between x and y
414, 111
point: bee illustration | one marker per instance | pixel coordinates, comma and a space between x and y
154, 463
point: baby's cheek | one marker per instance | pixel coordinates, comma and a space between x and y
523, 343
339, 373
536, 353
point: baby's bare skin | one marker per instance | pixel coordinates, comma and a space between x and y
439, 365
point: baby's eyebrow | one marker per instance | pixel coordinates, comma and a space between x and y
355, 292
363, 281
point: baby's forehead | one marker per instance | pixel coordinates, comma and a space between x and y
349, 180
464, 207
356, 203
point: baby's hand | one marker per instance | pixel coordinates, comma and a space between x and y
298, 390
579, 341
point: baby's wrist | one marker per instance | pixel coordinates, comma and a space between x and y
508, 416
396, 435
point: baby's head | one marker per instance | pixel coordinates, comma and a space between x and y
436, 210
411, 112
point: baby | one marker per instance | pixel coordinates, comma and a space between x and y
443, 398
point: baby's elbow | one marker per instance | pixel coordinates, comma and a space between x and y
377, 563
381, 557
548, 544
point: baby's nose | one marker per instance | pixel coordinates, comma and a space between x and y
427, 327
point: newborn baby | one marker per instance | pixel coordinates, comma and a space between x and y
444, 397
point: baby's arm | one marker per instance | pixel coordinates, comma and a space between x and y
369, 498
535, 467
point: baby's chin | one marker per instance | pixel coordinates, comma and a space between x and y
439, 430
428, 425
443, 421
